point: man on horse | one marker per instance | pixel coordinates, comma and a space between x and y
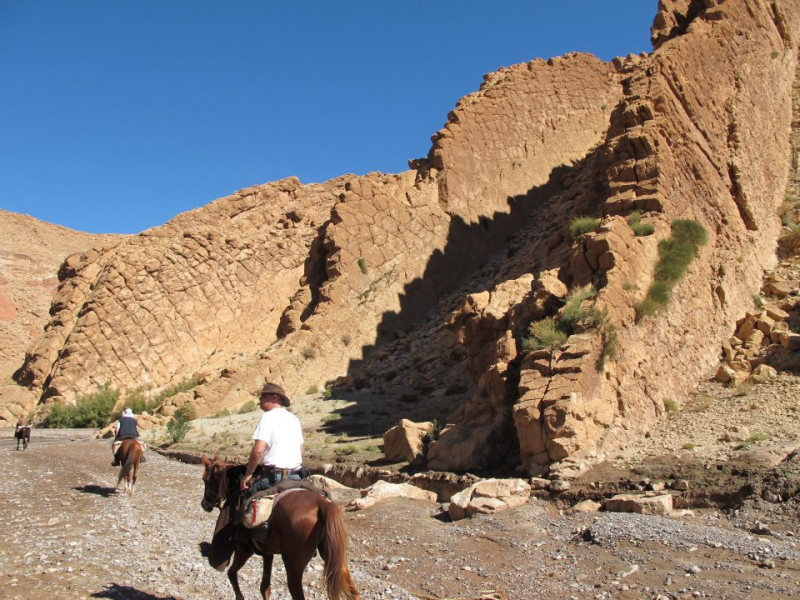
277, 452
125, 429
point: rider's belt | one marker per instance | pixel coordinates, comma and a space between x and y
265, 470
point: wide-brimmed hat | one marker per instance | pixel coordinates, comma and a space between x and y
272, 388
127, 412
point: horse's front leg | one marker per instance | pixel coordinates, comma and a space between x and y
240, 556
266, 576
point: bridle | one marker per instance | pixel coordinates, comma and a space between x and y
208, 503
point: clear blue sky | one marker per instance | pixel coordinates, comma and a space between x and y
117, 115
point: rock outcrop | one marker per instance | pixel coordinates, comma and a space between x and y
422, 285
31, 252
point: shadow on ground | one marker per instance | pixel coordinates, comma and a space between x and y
99, 490
125, 592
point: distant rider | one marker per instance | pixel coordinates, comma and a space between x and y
125, 429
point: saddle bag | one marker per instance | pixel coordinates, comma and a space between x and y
256, 511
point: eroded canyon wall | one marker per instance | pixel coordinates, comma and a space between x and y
432, 276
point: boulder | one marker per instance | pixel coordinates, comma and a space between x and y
406, 441
381, 490
489, 496
643, 504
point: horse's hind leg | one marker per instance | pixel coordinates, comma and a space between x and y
295, 565
240, 556
266, 576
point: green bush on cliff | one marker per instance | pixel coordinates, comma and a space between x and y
581, 225
640, 229
675, 254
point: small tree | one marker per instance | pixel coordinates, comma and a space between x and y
178, 427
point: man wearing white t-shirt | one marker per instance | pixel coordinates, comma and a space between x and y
277, 452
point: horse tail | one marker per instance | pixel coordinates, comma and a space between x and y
130, 461
334, 549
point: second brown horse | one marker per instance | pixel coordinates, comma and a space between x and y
129, 454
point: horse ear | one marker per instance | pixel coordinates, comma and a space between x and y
206, 462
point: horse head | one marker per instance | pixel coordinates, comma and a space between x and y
215, 483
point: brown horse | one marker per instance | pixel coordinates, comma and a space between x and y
23, 434
130, 454
302, 522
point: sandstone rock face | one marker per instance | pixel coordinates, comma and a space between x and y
423, 284
31, 252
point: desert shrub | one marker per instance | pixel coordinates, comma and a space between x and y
178, 427
90, 410
758, 301
610, 347
581, 225
670, 405
223, 413
544, 334
309, 352
573, 310
345, 450
347, 339
248, 407
312, 389
640, 229
688, 446
643, 229
674, 256
331, 418
327, 393
362, 264
184, 385
187, 411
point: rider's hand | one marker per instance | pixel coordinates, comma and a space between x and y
246, 483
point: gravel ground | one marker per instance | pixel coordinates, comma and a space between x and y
68, 534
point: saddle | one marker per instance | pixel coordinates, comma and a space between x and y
256, 510
230, 529
118, 442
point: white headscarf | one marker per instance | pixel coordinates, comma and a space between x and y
127, 412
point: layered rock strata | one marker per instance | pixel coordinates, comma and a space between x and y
428, 279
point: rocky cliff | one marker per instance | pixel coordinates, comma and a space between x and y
31, 252
422, 285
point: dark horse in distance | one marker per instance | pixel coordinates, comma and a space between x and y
302, 522
23, 434
130, 455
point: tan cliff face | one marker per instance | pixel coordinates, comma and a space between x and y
31, 252
423, 283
